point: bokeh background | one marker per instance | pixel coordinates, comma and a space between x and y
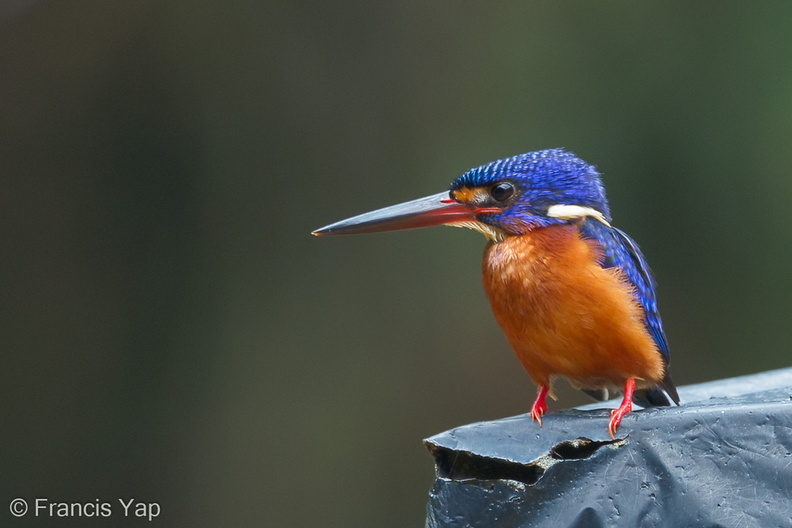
172, 333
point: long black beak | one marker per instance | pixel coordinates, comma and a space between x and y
438, 209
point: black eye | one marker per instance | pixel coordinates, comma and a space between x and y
502, 191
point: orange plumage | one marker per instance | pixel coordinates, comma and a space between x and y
573, 294
565, 315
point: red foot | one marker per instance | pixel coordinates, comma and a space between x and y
539, 405
624, 408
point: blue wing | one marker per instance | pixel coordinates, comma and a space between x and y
620, 251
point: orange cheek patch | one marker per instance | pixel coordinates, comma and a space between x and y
469, 195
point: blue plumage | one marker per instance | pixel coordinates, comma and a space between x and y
543, 178
562, 314
620, 251
554, 177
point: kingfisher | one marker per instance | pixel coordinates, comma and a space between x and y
572, 293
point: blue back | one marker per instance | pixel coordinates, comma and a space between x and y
620, 251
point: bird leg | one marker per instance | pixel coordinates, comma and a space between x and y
624, 408
539, 405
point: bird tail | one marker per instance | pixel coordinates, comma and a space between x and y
657, 397
651, 398
654, 397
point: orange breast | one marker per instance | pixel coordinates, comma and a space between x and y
564, 315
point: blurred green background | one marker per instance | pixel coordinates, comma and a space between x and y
172, 333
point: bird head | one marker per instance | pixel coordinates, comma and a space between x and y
506, 197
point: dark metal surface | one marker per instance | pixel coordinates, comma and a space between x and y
724, 458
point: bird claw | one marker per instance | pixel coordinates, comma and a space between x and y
539, 405
615, 420
625, 407
537, 410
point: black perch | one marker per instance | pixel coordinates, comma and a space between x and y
722, 459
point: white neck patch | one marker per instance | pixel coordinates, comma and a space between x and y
571, 212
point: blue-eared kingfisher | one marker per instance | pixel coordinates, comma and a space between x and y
573, 294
